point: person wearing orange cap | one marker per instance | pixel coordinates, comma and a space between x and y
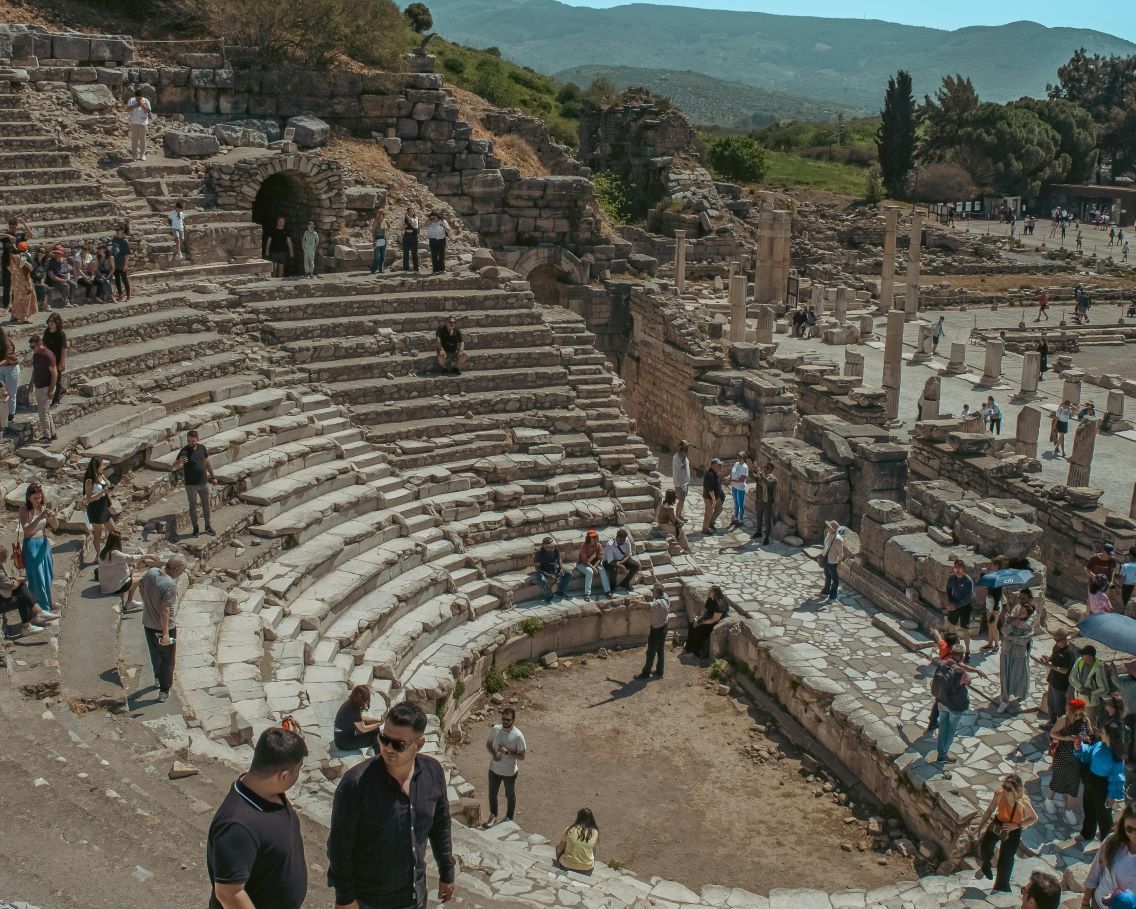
24, 304
1071, 728
590, 563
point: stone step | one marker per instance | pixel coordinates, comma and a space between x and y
132, 359
13, 114
11, 160
347, 286
99, 336
23, 144
473, 322
215, 389
16, 195
367, 302
40, 175
413, 631
53, 212
212, 366
479, 403
425, 365
182, 275
522, 381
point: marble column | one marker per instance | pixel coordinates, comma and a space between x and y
929, 404
680, 261
1081, 460
737, 307
914, 250
841, 313
992, 369
1029, 425
763, 274
925, 345
887, 273
1031, 374
893, 361
1115, 406
782, 229
853, 364
1071, 388
817, 300
765, 323
956, 366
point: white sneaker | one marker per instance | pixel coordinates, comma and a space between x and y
1002, 707
33, 629
143, 157
1050, 806
1070, 817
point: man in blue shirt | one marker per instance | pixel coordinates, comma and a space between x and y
960, 603
549, 570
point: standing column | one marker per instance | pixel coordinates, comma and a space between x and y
680, 261
1081, 460
893, 361
738, 308
887, 273
1114, 410
914, 250
1071, 387
853, 363
765, 320
1029, 425
957, 363
842, 295
782, 231
929, 405
763, 283
992, 369
817, 300
1031, 374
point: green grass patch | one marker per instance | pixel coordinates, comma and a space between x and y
522, 669
531, 626
495, 681
785, 169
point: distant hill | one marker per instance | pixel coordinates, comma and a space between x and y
707, 101
842, 61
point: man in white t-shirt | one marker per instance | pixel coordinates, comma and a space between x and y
680, 475
177, 226
138, 116
437, 230
506, 746
739, 474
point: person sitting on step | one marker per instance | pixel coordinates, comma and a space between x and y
550, 570
14, 595
450, 346
619, 553
116, 574
354, 730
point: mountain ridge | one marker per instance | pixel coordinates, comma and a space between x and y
838, 61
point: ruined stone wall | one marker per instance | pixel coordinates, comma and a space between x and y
555, 157
1073, 526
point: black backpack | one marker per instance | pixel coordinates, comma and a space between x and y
947, 687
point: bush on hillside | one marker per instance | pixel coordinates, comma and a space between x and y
738, 158
311, 34
613, 197
418, 15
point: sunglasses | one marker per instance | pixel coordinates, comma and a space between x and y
399, 745
1131, 831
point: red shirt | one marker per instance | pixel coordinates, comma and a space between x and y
43, 362
1099, 564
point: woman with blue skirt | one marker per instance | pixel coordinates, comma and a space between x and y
35, 517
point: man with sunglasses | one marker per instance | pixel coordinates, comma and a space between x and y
506, 746
385, 811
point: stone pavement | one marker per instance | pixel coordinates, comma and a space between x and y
1094, 242
777, 587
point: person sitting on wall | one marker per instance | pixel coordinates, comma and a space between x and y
550, 570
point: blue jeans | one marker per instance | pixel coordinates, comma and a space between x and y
589, 573
739, 503
831, 579
378, 258
948, 727
10, 376
561, 586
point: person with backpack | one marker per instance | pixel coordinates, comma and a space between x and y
949, 687
832, 553
1012, 813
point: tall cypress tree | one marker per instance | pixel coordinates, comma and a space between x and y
895, 139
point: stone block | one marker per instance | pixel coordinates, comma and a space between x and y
93, 98
239, 137
311, 132
71, 47
176, 99
363, 198
83, 75
190, 145
106, 75
836, 449
106, 48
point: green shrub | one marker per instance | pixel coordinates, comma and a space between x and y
459, 690
453, 65
873, 189
569, 91
717, 669
522, 669
531, 626
739, 158
495, 681
418, 15
440, 708
613, 197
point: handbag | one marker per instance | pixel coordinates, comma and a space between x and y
1053, 746
18, 555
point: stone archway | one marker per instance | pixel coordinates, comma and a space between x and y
288, 195
302, 187
549, 269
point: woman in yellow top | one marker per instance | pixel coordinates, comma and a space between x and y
1013, 813
576, 850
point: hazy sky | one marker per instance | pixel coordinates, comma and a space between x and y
1114, 18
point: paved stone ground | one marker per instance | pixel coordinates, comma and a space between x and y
1094, 242
1115, 455
780, 585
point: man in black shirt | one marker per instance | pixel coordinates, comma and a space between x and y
384, 812
450, 346
278, 247
255, 853
549, 569
194, 457
763, 502
712, 496
1060, 662
120, 251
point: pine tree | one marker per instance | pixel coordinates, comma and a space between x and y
895, 139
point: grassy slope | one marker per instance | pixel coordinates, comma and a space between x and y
789, 170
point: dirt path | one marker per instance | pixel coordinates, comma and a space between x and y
662, 766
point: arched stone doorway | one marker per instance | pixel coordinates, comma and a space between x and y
288, 195
549, 270
302, 187
548, 282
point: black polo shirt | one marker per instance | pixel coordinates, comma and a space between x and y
194, 467
450, 340
257, 843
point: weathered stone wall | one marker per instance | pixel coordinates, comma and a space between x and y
555, 157
1073, 526
33, 45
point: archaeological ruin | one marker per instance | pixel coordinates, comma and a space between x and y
375, 518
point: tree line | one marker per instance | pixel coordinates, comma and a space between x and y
955, 146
